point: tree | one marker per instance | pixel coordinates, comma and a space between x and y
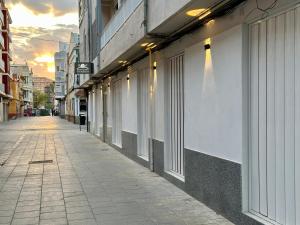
39, 99
49, 91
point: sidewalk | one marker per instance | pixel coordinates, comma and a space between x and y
87, 183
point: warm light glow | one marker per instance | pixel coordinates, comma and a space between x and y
149, 45
207, 41
44, 58
209, 84
51, 68
144, 44
128, 83
195, 12
204, 15
211, 22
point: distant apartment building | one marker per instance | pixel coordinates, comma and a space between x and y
41, 83
205, 93
16, 105
73, 81
60, 59
5, 75
26, 74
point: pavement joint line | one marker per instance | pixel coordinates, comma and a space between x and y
23, 181
14, 167
14, 147
59, 172
76, 174
42, 181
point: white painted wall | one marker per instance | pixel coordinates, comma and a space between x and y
129, 103
109, 107
213, 96
159, 99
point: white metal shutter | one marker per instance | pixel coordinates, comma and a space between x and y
176, 117
143, 114
117, 113
274, 174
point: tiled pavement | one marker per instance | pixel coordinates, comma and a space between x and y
87, 183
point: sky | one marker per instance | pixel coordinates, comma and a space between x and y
35, 22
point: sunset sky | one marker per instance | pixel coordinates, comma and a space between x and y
35, 22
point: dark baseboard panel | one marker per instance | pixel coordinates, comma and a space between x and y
158, 157
213, 181
217, 183
129, 148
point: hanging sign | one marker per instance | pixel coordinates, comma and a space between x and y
84, 68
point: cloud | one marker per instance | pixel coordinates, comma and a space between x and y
55, 7
32, 44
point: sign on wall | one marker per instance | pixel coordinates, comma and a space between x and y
84, 68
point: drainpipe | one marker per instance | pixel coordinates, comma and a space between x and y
151, 91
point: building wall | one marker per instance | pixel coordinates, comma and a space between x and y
128, 35
213, 96
215, 107
129, 103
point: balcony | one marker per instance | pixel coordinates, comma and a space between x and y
122, 32
2, 41
2, 65
118, 20
2, 89
1, 17
8, 53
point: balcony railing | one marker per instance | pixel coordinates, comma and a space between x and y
2, 88
1, 17
2, 40
2, 66
118, 20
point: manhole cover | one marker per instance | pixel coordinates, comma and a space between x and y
41, 161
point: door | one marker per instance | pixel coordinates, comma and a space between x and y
143, 114
117, 113
175, 117
274, 159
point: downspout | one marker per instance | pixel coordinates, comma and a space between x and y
151, 91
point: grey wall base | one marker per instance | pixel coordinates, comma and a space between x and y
215, 182
158, 157
129, 148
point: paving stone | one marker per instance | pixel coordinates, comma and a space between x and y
85, 185
53, 215
30, 214
25, 221
5, 219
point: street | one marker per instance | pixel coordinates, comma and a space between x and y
51, 173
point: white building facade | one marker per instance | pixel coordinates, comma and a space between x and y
60, 59
27, 86
205, 94
72, 81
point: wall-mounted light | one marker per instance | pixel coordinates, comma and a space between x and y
144, 44
128, 78
154, 65
195, 12
206, 47
149, 46
204, 15
108, 85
